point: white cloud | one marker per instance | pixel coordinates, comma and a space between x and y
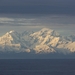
15, 21
4, 19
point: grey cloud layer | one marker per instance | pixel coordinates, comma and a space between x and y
49, 20
4, 21
38, 6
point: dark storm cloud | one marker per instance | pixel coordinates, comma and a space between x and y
37, 6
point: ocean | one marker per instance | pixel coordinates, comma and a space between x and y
37, 67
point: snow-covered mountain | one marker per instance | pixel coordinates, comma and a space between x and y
43, 41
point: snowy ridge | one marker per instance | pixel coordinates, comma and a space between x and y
43, 41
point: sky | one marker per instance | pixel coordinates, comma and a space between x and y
21, 15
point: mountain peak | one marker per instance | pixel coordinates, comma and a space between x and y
11, 31
46, 29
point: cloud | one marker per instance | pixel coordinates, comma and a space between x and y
45, 20
61, 23
38, 6
4, 21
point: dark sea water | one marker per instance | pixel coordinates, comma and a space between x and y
37, 67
